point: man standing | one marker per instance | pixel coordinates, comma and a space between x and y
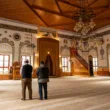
43, 78
26, 73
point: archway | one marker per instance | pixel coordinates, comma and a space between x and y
51, 46
93, 52
26, 52
6, 58
49, 64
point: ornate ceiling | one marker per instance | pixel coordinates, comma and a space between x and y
53, 13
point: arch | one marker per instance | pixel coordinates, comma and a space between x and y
49, 64
26, 49
65, 51
5, 48
6, 41
93, 51
26, 43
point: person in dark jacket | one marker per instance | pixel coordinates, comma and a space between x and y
26, 73
43, 78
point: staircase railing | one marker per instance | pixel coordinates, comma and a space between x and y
74, 52
82, 61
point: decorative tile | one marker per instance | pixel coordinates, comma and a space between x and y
102, 52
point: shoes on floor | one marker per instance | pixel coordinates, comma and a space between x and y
22, 99
40, 99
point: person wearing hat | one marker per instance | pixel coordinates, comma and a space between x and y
43, 78
26, 74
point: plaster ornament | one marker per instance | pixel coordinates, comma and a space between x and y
102, 52
100, 42
16, 37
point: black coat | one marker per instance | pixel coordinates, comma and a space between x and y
27, 71
43, 73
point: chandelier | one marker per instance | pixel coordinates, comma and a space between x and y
84, 18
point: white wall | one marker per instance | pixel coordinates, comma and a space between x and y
95, 50
25, 36
64, 43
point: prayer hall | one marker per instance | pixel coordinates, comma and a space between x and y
72, 38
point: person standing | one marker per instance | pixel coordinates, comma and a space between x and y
43, 78
26, 73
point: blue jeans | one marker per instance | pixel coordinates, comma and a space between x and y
43, 86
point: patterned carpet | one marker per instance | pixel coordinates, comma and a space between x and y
65, 93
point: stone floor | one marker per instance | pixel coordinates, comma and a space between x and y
66, 93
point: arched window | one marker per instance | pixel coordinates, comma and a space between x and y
65, 60
5, 58
93, 53
27, 53
108, 56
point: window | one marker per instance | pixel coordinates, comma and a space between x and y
95, 64
65, 64
109, 62
26, 57
4, 64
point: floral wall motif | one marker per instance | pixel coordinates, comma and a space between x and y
28, 36
14, 37
24, 49
86, 45
64, 43
7, 46
100, 49
65, 50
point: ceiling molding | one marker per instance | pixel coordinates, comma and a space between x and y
65, 36
17, 28
68, 3
15, 22
92, 3
102, 33
61, 24
50, 11
25, 1
58, 6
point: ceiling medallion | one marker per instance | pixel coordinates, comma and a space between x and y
84, 18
